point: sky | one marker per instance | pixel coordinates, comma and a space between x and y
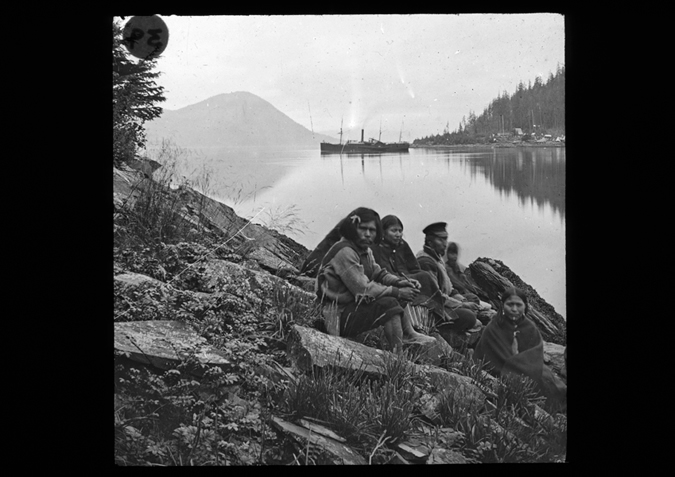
407, 76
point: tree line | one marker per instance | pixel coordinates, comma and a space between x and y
135, 99
536, 109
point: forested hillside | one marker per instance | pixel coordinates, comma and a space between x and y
537, 109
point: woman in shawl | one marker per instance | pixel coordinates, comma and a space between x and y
511, 343
395, 255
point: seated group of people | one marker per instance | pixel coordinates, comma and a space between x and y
366, 274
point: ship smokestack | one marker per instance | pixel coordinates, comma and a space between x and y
361, 135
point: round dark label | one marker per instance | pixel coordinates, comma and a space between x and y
145, 37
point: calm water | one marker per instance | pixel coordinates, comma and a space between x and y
507, 204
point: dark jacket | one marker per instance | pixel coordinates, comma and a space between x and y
432, 263
399, 260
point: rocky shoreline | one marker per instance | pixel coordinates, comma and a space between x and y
211, 298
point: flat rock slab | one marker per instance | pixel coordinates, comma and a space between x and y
319, 429
342, 454
445, 456
161, 343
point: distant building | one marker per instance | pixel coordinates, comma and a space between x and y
518, 131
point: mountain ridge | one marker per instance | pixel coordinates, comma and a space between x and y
239, 118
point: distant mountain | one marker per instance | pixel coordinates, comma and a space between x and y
232, 119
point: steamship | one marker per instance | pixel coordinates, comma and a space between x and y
371, 146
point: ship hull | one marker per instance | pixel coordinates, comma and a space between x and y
362, 148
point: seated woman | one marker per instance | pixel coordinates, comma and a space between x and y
395, 255
511, 343
354, 288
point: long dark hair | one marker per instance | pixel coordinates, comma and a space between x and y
389, 220
513, 291
310, 266
347, 226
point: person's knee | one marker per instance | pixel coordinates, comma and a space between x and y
388, 302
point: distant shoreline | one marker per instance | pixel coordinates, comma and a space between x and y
487, 146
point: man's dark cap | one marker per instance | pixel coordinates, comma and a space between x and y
437, 229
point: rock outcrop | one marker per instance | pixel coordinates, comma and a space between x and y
164, 344
276, 253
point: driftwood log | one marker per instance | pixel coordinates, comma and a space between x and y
308, 348
493, 277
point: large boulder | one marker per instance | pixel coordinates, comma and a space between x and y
493, 277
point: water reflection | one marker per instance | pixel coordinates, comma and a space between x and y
534, 175
537, 174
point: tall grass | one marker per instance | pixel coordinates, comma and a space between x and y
153, 213
364, 409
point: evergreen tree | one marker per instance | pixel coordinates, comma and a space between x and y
540, 103
135, 99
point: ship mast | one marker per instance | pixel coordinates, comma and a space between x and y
311, 123
401, 133
341, 129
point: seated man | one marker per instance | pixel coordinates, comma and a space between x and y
353, 287
430, 259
